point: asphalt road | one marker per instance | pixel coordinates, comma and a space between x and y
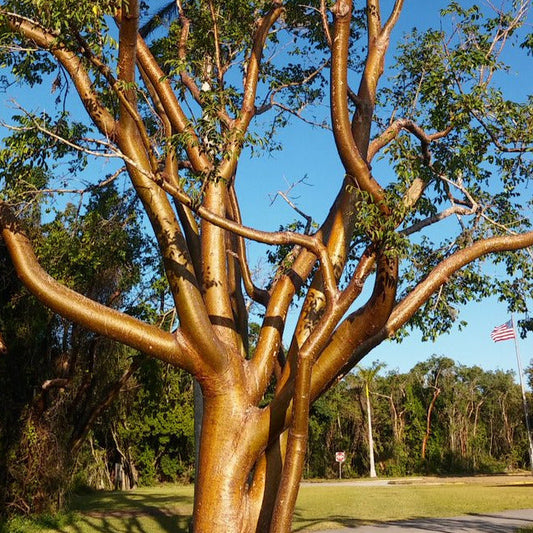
505, 522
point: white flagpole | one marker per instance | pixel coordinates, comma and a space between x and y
524, 401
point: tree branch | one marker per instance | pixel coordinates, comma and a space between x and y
334, 355
241, 124
72, 64
358, 326
454, 210
179, 268
325, 22
82, 429
170, 104
310, 242
215, 281
216, 37
393, 19
349, 152
84, 311
405, 124
440, 275
299, 423
256, 294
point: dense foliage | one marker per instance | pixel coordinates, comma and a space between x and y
56, 378
476, 426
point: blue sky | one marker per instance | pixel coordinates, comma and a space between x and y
311, 152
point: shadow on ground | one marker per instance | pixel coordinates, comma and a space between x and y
133, 512
487, 523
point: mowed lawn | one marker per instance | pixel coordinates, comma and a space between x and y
167, 508
349, 506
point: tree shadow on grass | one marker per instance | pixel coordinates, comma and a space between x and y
488, 523
139, 523
514, 486
302, 523
131, 512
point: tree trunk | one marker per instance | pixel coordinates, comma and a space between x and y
428, 422
370, 436
222, 497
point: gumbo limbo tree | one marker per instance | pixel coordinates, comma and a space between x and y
179, 92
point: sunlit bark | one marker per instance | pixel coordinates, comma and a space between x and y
251, 451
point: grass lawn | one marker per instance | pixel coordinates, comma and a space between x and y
167, 508
339, 506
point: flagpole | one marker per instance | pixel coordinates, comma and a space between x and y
524, 400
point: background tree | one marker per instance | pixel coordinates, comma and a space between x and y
393, 388
154, 428
336, 425
57, 377
367, 375
431, 374
178, 109
472, 423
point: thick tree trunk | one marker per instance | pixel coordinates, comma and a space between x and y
222, 501
237, 481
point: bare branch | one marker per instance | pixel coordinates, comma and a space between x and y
405, 124
271, 96
325, 22
296, 112
496, 141
285, 196
276, 238
454, 210
57, 383
256, 294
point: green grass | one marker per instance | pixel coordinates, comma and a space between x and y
167, 508
328, 507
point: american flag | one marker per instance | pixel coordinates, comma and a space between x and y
503, 332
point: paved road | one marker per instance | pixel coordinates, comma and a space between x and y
506, 522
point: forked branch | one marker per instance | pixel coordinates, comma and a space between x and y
440, 275
354, 163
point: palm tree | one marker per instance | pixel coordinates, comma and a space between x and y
166, 13
367, 375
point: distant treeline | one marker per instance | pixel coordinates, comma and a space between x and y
439, 418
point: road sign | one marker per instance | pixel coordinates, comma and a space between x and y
340, 457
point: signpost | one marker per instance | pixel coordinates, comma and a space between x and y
340, 457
